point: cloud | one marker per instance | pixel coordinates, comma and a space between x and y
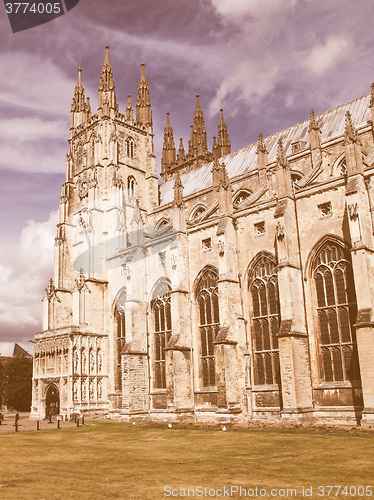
34, 83
324, 57
255, 8
24, 273
248, 81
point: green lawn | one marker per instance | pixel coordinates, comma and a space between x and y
106, 460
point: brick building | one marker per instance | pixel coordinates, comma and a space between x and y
239, 288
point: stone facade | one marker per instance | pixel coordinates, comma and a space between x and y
239, 289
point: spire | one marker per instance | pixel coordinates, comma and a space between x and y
281, 155
350, 133
80, 110
178, 191
199, 137
168, 150
143, 102
107, 95
181, 153
129, 113
78, 103
224, 147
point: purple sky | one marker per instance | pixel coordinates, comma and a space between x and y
266, 62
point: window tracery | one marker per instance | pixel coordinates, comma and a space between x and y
161, 307
207, 300
336, 310
263, 287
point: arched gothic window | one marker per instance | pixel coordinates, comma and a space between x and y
131, 186
263, 287
80, 153
336, 310
207, 300
161, 307
130, 147
120, 330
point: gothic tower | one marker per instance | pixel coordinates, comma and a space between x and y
111, 184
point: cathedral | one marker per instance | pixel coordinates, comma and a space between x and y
239, 289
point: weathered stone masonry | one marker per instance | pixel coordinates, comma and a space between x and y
239, 289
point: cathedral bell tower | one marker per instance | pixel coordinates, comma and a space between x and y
110, 187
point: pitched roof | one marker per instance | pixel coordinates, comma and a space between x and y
243, 160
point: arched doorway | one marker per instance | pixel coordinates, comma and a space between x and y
52, 400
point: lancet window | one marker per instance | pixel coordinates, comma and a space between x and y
131, 186
161, 307
130, 148
336, 311
207, 300
263, 287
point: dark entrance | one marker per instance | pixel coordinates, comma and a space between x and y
52, 401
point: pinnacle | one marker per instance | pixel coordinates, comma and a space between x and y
142, 73
350, 130
313, 125
261, 147
106, 58
281, 155
197, 101
79, 82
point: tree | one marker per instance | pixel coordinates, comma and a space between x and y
18, 384
2, 385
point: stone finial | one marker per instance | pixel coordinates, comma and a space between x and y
80, 283
178, 191
261, 147
313, 125
129, 113
51, 292
350, 133
181, 152
281, 155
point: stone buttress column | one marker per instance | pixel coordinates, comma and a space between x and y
178, 351
362, 254
292, 336
230, 377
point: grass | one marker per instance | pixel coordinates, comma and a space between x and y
108, 460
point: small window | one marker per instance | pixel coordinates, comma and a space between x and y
131, 186
207, 244
297, 146
259, 228
130, 148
